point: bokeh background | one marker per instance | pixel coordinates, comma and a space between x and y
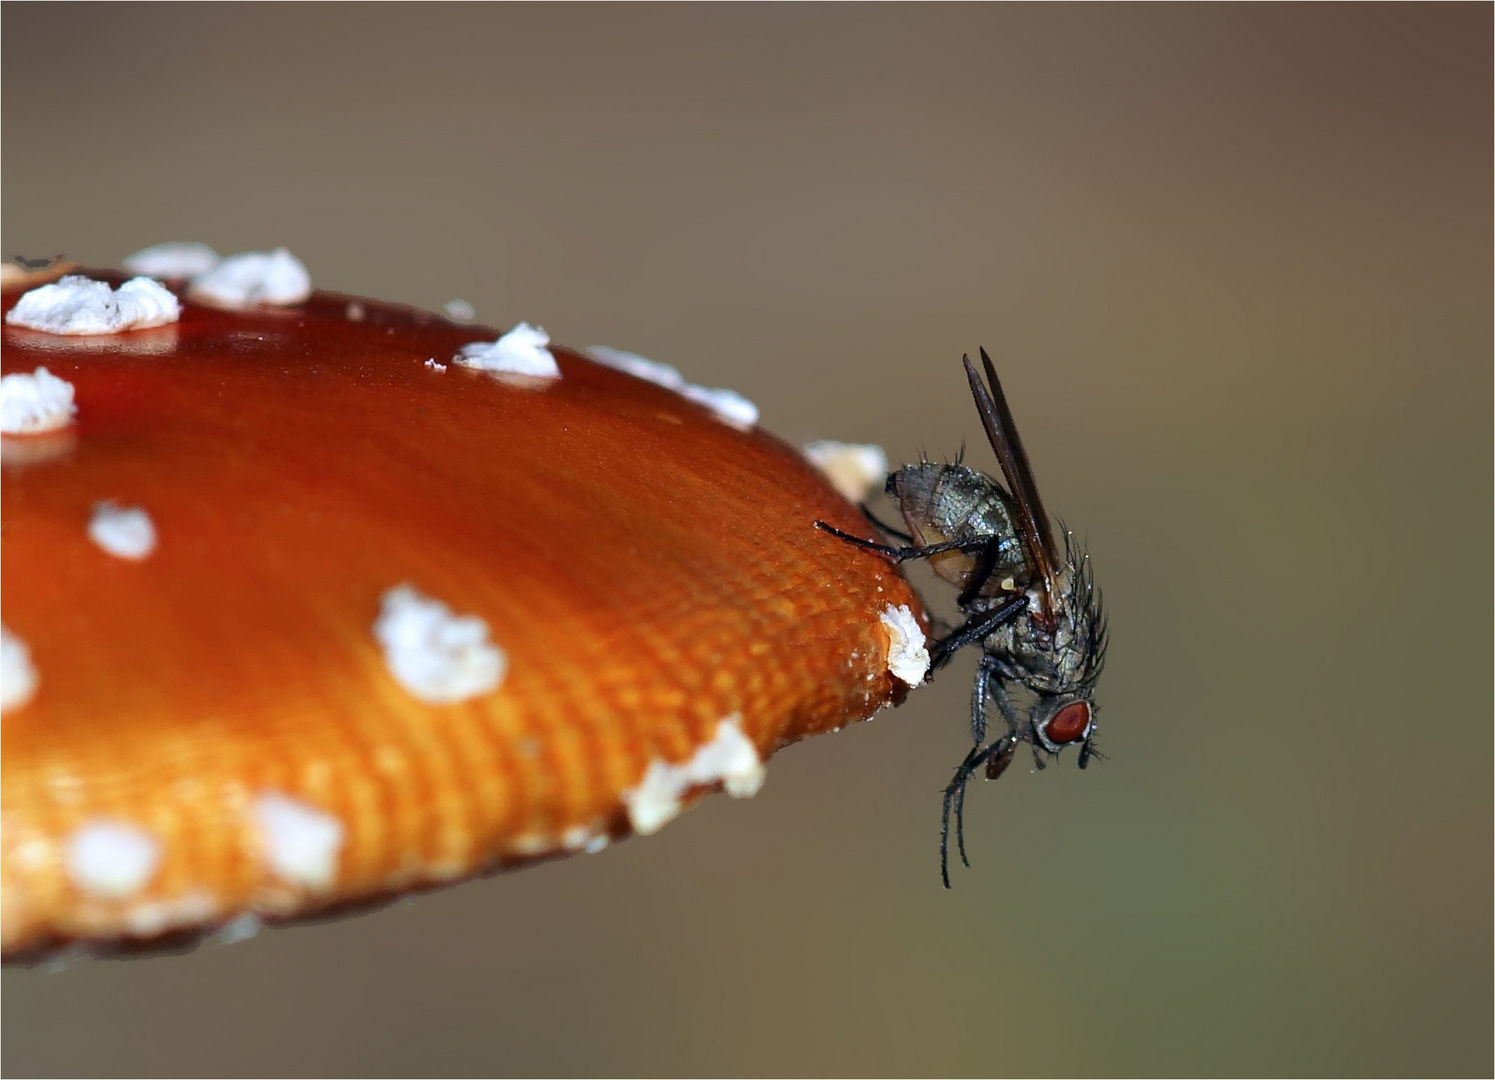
1235, 264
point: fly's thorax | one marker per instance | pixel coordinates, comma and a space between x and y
954, 502
1062, 658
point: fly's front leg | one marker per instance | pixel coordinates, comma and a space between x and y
1089, 753
939, 627
976, 628
900, 554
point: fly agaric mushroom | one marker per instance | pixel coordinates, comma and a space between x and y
300, 611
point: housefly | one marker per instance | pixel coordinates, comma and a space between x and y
1033, 610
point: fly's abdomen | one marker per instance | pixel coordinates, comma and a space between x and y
953, 502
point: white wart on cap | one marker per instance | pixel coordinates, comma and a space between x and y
172, 260
112, 859
908, 656
522, 351
640, 367
35, 403
17, 674
730, 758
80, 305
729, 406
301, 843
438, 656
854, 469
252, 278
125, 532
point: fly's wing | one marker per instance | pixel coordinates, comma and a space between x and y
1032, 522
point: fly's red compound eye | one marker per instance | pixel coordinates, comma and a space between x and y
1069, 723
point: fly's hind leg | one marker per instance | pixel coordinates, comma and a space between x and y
981, 690
988, 687
995, 758
997, 688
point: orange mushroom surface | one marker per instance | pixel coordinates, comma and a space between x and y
299, 612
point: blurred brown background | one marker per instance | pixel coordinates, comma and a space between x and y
1234, 263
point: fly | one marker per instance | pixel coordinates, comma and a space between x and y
1034, 611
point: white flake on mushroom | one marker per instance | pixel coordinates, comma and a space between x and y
640, 367
459, 311
151, 917
908, 658
80, 305
522, 351
34, 403
253, 277
301, 843
532, 844
578, 837
854, 469
436, 655
239, 928
17, 674
111, 859
172, 260
125, 532
730, 758
729, 406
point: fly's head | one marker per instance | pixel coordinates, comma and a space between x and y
1056, 723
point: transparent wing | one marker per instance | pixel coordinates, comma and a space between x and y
1032, 521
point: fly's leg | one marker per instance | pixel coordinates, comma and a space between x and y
996, 765
939, 627
955, 793
990, 551
980, 573
998, 690
979, 692
976, 627
900, 554
896, 534
1089, 753
988, 686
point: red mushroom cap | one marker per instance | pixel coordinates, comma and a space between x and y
632, 591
